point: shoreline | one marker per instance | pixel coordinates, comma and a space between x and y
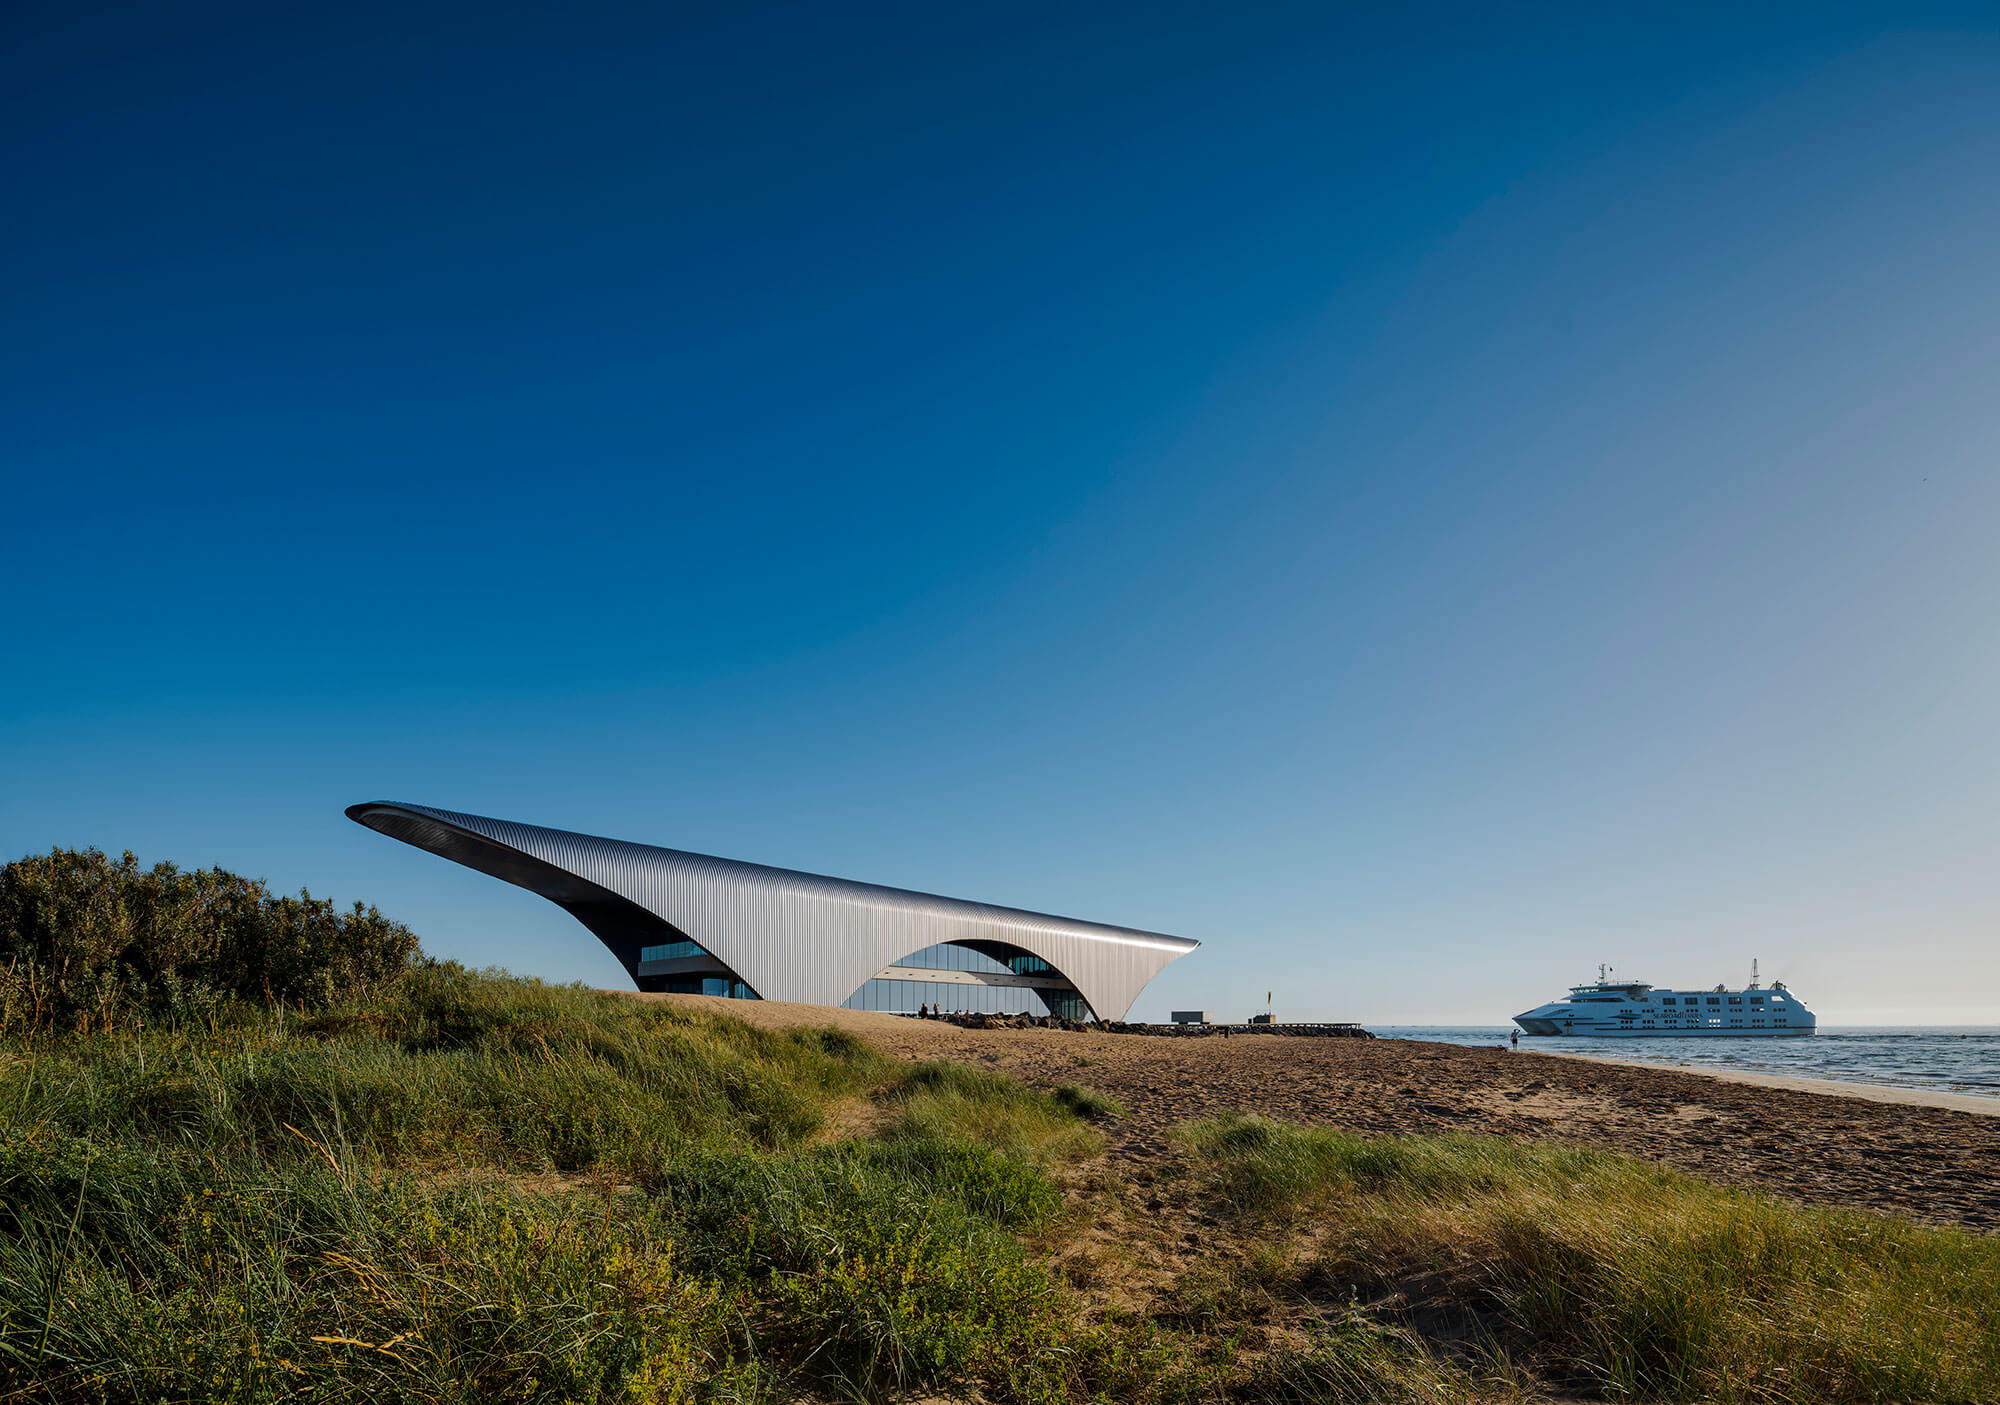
1931, 1157
1888, 1094
1823, 1087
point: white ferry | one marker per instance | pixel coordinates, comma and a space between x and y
1612, 1009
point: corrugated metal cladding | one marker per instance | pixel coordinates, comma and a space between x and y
789, 936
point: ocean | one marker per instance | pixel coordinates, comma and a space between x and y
1934, 1058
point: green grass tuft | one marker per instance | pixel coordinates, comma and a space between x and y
1622, 1278
950, 1101
481, 1188
476, 1188
1088, 1103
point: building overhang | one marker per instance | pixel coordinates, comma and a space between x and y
786, 935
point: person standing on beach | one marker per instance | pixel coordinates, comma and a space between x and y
1514, 1038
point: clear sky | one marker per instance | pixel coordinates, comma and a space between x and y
1424, 501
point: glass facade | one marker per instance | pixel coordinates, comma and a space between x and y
672, 951
694, 985
709, 985
903, 997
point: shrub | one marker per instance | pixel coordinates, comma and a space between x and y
87, 940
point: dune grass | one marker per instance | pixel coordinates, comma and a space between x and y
1611, 1275
489, 1189
939, 1100
476, 1188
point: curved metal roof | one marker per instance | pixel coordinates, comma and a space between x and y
788, 935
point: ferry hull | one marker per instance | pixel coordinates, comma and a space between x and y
1544, 1028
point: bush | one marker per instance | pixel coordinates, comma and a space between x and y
88, 941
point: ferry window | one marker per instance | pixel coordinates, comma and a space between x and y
1736, 1000
1714, 1000
1756, 1000
1667, 1000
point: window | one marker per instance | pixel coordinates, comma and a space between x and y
905, 996
710, 985
1714, 1000
1667, 1000
672, 951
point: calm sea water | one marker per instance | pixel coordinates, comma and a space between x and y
1963, 1059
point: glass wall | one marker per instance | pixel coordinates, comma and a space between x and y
672, 951
708, 985
903, 997
694, 985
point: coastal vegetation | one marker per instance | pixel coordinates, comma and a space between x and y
400, 1180
89, 942
479, 1188
1607, 1275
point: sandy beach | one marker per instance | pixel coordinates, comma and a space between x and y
1929, 1156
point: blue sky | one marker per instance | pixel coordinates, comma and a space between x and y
1422, 503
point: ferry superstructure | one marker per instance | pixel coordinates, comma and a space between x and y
1613, 1009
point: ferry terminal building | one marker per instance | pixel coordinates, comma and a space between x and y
692, 924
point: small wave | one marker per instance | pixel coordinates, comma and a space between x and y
1954, 1059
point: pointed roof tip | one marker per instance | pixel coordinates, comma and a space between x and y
482, 827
